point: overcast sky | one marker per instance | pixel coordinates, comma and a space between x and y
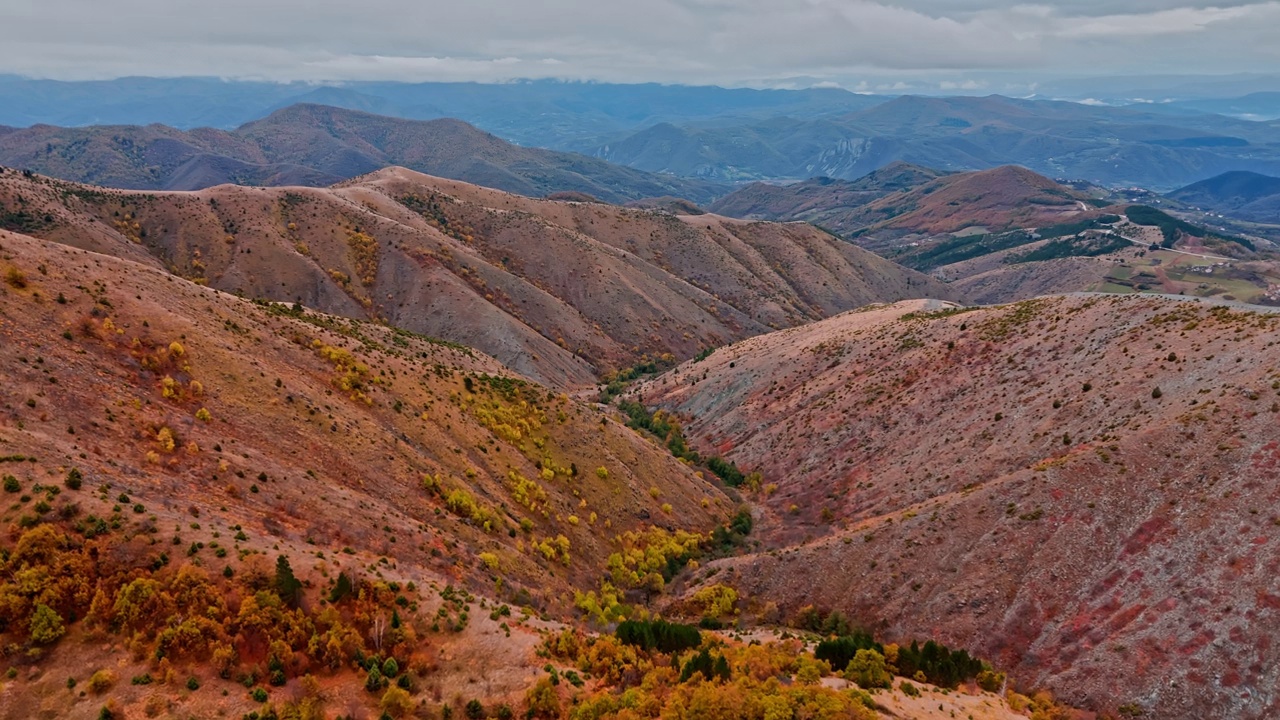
856, 44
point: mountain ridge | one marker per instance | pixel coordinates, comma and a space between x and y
319, 145
1247, 195
560, 291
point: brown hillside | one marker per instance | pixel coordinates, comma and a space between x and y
213, 435
832, 204
86, 339
999, 199
1006, 283
165, 445
1083, 489
558, 291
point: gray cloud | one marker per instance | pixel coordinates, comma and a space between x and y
759, 42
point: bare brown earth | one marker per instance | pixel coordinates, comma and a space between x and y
999, 199
1083, 490
558, 291
1004, 283
902, 200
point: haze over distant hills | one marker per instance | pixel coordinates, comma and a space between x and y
1246, 195
543, 113
1116, 146
1188, 135
320, 145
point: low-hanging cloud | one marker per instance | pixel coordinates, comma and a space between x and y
718, 41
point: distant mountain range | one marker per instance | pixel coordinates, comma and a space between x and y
1184, 134
1114, 146
319, 145
542, 113
1245, 195
1254, 106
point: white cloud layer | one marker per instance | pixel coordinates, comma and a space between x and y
734, 42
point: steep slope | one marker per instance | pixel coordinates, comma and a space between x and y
1245, 195
345, 418
318, 145
1082, 488
164, 444
559, 291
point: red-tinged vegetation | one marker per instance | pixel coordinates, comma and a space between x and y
1006, 480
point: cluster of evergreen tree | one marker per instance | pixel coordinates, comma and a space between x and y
941, 665
658, 635
726, 471
712, 668
840, 650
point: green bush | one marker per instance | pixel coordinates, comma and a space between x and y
375, 681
